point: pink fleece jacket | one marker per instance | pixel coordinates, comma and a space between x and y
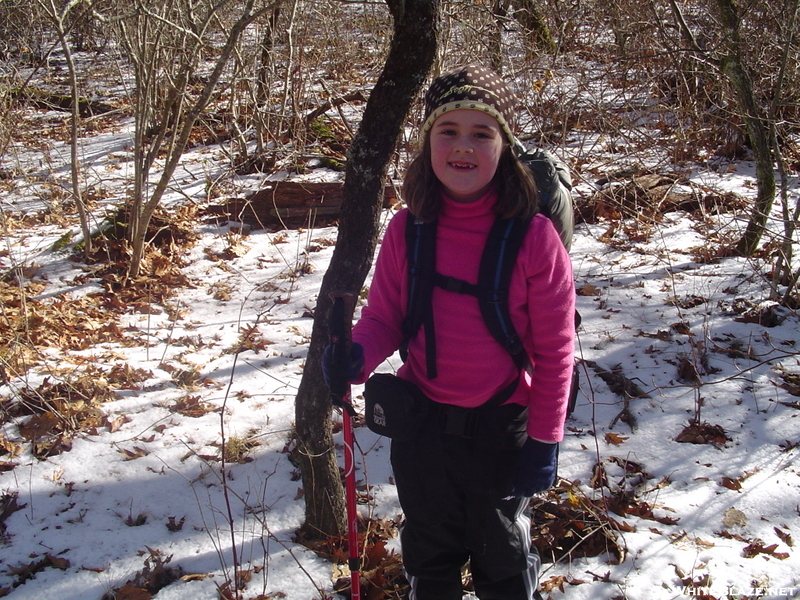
472, 365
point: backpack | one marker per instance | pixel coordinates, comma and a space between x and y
555, 190
494, 276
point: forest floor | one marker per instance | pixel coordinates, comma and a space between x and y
679, 471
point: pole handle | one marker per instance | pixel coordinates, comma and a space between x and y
340, 329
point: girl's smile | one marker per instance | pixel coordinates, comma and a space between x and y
465, 149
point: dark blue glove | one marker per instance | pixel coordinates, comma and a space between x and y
353, 367
535, 470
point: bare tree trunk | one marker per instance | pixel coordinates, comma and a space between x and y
58, 18
265, 76
782, 273
410, 57
495, 42
757, 124
537, 33
266, 60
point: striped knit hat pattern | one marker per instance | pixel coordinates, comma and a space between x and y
470, 87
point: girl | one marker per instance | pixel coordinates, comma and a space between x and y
464, 492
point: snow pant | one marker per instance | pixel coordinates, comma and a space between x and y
454, 481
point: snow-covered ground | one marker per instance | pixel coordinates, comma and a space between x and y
144, 486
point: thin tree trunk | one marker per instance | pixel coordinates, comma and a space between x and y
410, 57
265, 75
782, 274
74, 160
495, 42
537, 33
265, 67
757, 128
58, 19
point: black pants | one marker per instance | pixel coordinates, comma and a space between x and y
453, 488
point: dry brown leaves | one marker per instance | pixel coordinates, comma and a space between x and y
191, 406
50, 415
381, 569
617, 381
791, 383
33, 327
703, 433
68, 323
757, 547
8, 506
10, 449
625, 504
633, 202
27, 571
626, 482
250, 338
567, 524
155, 576
700, 584
556, 582
30, 324
168, 235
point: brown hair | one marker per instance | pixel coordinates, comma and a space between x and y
517, 194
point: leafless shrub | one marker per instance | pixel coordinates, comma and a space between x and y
24, 31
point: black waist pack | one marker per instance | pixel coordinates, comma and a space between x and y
395, 408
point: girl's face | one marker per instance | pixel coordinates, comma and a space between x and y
466, 146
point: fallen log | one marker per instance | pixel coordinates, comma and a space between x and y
294, 204
60, 102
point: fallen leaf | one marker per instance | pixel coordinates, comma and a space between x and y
589, 290
731, 484
599, 478
195, 577
9, 447
703, 433
785, 537
173, 525
644, 510
129, 592
24, 572
570, 524
757, 547
615, 439
58, 563
133, 454
734, 518
555, 582
116, 424
39, 426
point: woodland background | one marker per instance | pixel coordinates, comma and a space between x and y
637, 97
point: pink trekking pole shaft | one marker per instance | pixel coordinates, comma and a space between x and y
340, 325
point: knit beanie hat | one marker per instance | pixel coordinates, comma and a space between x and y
472, 87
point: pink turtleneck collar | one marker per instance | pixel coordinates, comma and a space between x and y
465, 210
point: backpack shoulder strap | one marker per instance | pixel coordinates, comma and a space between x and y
494, 279
421, 255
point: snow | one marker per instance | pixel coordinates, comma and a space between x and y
105, 505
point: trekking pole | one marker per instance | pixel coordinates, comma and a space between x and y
340, 325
